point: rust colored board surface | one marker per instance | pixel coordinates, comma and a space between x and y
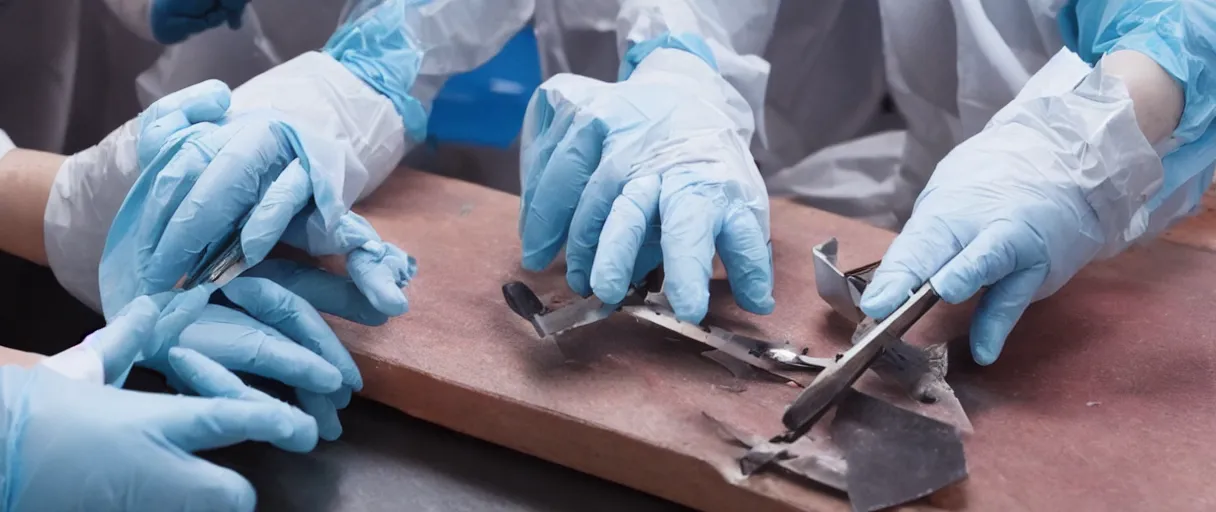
1198, 231
1104, 399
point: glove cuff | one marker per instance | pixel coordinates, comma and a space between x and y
690, 43
333, 103
376, 48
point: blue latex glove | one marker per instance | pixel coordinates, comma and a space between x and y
655, 168
151, 329
1056, 179
199, 185
127, 450
277, 334
175, 20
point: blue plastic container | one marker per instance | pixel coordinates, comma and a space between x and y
485, 107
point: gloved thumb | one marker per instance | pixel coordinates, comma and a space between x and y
144, 328
203, 102
915, 256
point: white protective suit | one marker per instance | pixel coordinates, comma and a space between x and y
826, 68
813, 79
67, 67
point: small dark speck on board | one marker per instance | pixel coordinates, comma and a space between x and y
466, 209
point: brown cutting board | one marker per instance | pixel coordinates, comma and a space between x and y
1105, 398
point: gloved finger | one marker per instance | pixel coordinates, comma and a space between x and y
194, 423
537, 150
624, 232
293, 316
169, 188
340, 398
326, 414
250, 157
189, 8
594, 206
205, 101
176, 29
235, 9
242, 344
143, 329
201, 485
183, 309
748, 259
547, 220
208, 379
380, 270
997, 251
924, 246
216, 18
328, 293
286, 196
130, 333
690, 224
1000, 308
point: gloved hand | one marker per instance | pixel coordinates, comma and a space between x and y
278, 335
146, 326
1056, 179
654, 168
126, 450
175, 20
92, 184
258, 166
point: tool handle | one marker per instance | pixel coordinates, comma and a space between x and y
522, 300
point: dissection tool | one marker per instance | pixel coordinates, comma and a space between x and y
876, 337
880, 453
221, 262
737, 352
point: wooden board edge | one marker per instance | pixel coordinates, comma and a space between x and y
563, 440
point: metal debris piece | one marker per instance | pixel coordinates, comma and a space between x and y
880, 455
918, 371
814, 461
644, 302
894, 456
833, 381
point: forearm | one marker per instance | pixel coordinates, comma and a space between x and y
25, 186
9, 356
1156, 97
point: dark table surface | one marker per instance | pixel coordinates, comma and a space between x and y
385, 459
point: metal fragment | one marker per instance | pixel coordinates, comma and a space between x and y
834, 380
894, 456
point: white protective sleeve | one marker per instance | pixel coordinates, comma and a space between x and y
136, 15
455, 36
737, 33
88, 190
6, 144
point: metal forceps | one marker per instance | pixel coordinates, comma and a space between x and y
222, 262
